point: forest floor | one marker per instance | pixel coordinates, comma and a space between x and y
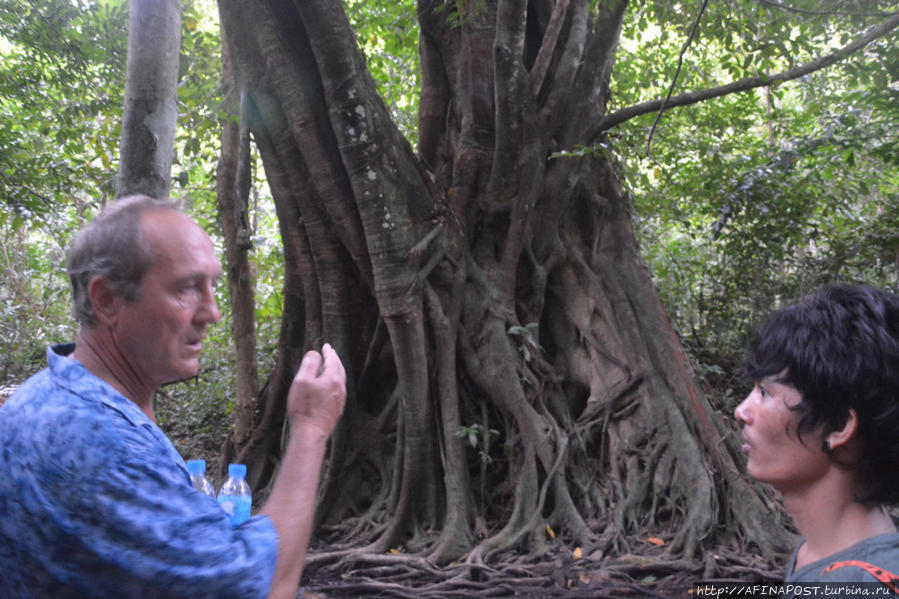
198, 426
553, 574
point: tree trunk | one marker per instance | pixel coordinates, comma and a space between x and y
233, 174
151, 89
510, 364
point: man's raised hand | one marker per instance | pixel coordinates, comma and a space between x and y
318, 392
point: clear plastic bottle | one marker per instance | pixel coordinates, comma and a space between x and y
235, 496
197, 469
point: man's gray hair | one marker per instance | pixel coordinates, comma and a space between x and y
112, 246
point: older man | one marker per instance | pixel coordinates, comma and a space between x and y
95, 500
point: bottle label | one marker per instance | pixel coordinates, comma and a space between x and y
237, 508
228, 505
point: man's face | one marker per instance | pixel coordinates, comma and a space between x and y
770, 440
160, 334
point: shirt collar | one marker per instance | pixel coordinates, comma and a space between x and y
74, 376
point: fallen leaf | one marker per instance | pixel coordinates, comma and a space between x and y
550, 532
395, 551
577, 553
655, 541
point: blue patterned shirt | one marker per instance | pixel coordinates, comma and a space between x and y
96, 502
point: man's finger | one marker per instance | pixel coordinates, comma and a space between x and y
310, 365
329, 355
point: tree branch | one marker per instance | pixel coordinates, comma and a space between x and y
558, 82
550, 39
680, 64
625, 114
826, 11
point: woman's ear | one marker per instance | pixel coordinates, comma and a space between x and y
103, 298
841, 437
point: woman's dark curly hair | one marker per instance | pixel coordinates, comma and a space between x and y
840, 349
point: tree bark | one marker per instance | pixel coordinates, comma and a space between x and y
151, 110
510, 365
233, 174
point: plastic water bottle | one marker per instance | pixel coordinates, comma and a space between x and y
234, 496
197, 469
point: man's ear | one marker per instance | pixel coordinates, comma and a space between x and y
103, 298
842, 436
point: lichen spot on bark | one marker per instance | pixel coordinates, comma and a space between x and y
387, 224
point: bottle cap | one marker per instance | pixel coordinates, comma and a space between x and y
196, 466
237, 470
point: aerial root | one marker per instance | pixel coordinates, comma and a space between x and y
556, 573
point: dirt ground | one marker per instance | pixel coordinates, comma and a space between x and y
555, 574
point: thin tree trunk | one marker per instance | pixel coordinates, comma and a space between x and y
151, 89
233, 175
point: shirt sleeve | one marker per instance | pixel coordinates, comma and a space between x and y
131, 525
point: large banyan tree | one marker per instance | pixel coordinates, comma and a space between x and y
511, 367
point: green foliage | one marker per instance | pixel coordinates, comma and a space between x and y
61, 70
753, 199
197, 139
268, 260
477, 434
33, 315
528, 339
387, 32
60, 107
